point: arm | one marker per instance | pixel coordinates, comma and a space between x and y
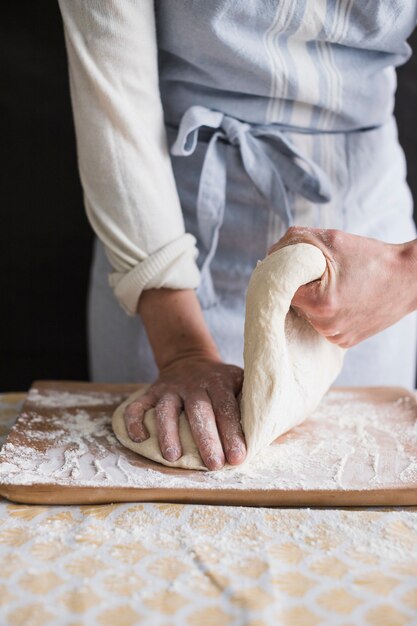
368, 285
192, 376
133, 206
129, 189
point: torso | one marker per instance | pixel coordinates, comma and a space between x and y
312, 64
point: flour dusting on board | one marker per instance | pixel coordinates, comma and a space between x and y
65, 399
348, 443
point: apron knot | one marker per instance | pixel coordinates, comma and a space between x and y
271, 161
234, 130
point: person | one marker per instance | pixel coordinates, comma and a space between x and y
279, 121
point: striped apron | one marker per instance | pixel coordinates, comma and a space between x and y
277, 113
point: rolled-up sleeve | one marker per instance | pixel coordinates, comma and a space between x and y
129, 188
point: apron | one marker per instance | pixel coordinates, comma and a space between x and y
269, 125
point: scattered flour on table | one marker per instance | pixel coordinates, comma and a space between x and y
230, 535
65, 399
346, 444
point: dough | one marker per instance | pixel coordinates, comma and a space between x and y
190, 459
288, 365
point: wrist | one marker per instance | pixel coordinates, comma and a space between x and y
175, 326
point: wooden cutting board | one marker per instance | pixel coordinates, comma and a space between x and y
358, 448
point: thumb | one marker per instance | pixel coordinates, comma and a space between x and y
308, 296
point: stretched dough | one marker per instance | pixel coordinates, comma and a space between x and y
288, 365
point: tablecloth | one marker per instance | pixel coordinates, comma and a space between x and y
195, 565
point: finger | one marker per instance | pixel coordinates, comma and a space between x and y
343, 340
167, 412
134, 415
295, 234
227, 413
336, 339
200, 415
328, 327
308, 296
331, 335
301, 313
237, 378
347, 341
328, 241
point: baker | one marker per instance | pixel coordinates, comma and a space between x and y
278, 116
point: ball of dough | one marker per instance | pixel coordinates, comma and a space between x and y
190, 459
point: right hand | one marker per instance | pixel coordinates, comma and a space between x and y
368, 284
206, 389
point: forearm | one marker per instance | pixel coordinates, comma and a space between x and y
175, 326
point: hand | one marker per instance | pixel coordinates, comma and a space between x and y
367, 286
207, 390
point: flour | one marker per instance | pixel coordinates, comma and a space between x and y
347, 443
387, 535
64, 399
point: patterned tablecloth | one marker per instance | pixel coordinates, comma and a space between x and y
167, 564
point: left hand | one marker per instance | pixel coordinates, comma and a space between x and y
207, 390
368, 284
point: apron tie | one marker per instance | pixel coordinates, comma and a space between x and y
271, 161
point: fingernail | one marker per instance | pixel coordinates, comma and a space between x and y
172, 454
215, 462
137, 437
236, 455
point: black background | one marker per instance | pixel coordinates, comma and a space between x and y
45, 240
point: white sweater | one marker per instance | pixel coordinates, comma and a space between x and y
129, 188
